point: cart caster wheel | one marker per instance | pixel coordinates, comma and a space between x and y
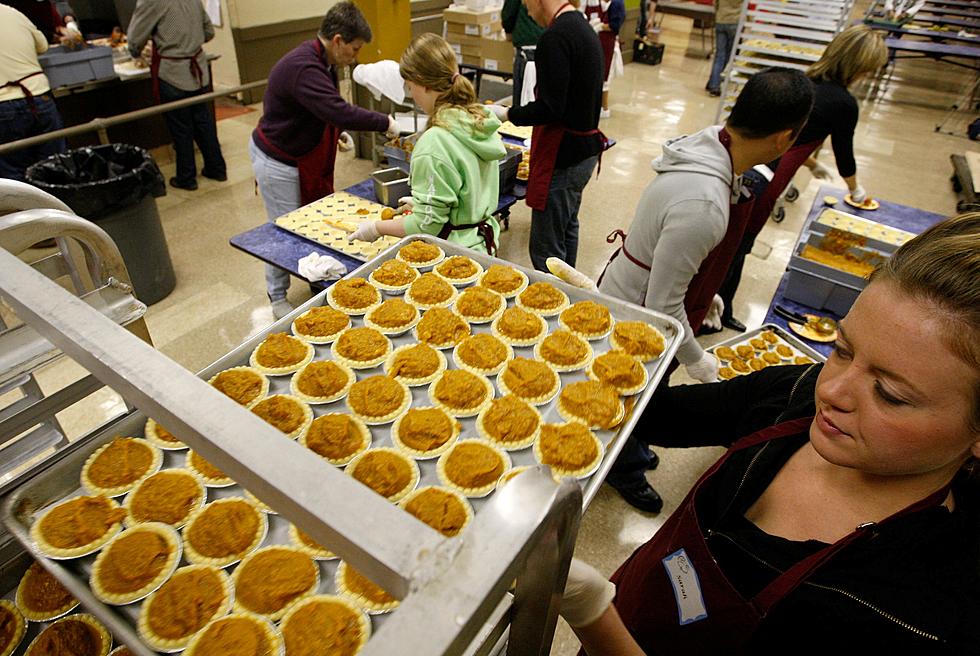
957, 187
792, 194
779, 215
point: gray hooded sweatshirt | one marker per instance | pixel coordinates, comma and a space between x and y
681, 217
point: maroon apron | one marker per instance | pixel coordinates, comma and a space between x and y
28, 96
156, 58
789, 164
607, 38
707, 614
483, 228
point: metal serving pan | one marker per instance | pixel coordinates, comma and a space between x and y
799, 347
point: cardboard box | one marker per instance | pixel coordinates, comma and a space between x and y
467, 29
497, 55
465, 49
454, 14
470, 60
464, 39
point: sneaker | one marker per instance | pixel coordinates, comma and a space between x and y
186, 186
281, 307
604, 113
642, 497
222, 177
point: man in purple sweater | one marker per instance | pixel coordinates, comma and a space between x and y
294, 147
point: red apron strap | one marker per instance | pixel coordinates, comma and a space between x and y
28, 96
483, 228
156, 58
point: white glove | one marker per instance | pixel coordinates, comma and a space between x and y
704, 370
596, 24
858, 194
822, 172
406, 202
712, 319
499, 111
367, 231
587, 595
569, 274
345, 143
393, 130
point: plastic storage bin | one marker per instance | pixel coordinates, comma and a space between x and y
66, 67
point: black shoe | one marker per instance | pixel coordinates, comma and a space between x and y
219, 178
654, 461
187, 186
642, 497
714, 93
733, 323
708, 330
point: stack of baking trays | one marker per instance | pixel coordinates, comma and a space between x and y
432, 374
765, 346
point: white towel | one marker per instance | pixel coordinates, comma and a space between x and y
382, 78
530, 82
320, 267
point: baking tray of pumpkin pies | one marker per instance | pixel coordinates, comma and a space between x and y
433, 375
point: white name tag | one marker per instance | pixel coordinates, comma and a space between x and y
687, 588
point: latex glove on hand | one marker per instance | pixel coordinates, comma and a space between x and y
712, 320
499, 111
367, 231
569, 274
405, 205
858, 194
587, 595
704, 370
345, 143
393, 130
822, 172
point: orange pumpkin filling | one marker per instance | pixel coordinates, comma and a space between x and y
133, 561
430, 289
394, 273
784, 350
744, 351
223, 529
759, 344
419, 361
519, 324
563, 348
567, 446
362, 344
741, 366
393, 313
334, 436
618, 369
595, 402
587, 317
542, 296
79, 522
185, 603
122, 462
205, 468
440, 510
769, 336
800, 359
320, 629
361, 585
321, 378
770, 358
376, 396
8, 627
240, 386
528, 379
502, 279
510, 420
166, 497
356, 293
441, 326
322, 321
457, 267
425, 429
69, 637
274, 578
637, 338
478, 302
235, 636
383, 472
283, 413
419, 251
473, 465
166, 435
482, 351
460, 390
280, 350
757, 364
728, 353
43, 593
305, 538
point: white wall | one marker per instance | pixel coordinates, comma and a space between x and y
225, 70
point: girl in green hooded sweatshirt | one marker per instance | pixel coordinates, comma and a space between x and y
455, 170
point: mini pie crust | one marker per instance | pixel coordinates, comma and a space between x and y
381, 419
480, 337
771, 358
462, 374
455, 429
518, 341
353, 282
370, 606
156, 460
194, 556
726, 373
358, 423
210, 480
393, 289
90, 620
471, 492
726, 353
415, 382
152, 435
316, 554
360, 364
566, 320
458, 259
435, 489
307, 414
288, 369
802, 359
414, 474
487, 318
263, 390
568, 415
759, 344
544, 312
537, 400
784, 352
36, 569
769, 336
319, 339
509, 475
422, 305
201, 498
19, 630
515, 445
583, 362
160, 643
560, 472
744, 351
623, 391
656, 335
420, 264
59, 553
392, 330
168, 534
316, 364
434, 314
363, 622
250, 559
506, 292
272, 633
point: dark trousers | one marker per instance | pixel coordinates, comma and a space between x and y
734, 275
190, 125
630, 467
18, 122
554, 232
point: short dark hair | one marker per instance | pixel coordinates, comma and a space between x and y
773, 100
345, 19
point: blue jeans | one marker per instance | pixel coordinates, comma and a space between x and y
187, 126
18, 122
630, 467
554, 232
724, 39
279, 186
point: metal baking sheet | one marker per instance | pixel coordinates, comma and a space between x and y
60, 478
799, 346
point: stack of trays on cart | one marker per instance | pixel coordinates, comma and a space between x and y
766, 346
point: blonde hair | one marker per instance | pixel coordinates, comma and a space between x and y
856, 51
430, 62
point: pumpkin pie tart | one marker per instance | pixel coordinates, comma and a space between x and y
420, 254
509, 422
161, 437
387, 471
285, 412
771, 357
194, 596
415, 364
77, 527
320, 325
758, 364
637, 338
223, 532
361, 348
459, 270
740, 366
447, 511
506, 281
302, 541
425, 432
769, 336
324, 625
41, 597
564, 351
442, 328
784, 351
135, 563
461, 393
472, 467
802, 359
759, 344
621, 370
238, 634
78, 635
261, 505
13, 626
519, 327
393, 317
591, 402
726, 353
170, 496
337, 437
483, 354
281, 354
378, 399
510, 474
530, 380
744, 351
114, 468
570, 449
243, 385
589, 319
726, 373
322, 381
393, 276
211, 475
429, 291
353, 296
542, 298
270, 579
359, 589
480, 305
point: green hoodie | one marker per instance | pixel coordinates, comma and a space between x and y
455, 176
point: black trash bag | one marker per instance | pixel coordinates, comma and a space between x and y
98, 180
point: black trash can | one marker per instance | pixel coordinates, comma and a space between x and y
114, 186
